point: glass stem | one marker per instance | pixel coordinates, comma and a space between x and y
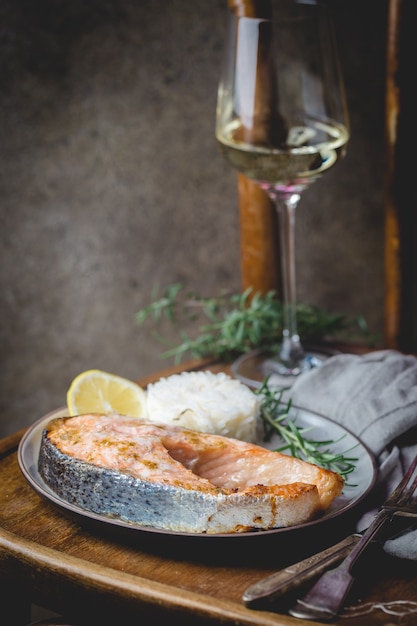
291, 352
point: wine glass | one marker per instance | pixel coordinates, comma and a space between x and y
282, 121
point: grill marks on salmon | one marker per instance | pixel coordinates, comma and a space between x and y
177, 479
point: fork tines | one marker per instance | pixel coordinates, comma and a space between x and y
401, 499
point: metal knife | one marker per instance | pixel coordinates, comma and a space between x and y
291, 577
269, 589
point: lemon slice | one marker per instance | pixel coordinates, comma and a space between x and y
95, 391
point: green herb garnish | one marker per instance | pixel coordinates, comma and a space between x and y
276, 418
237, 323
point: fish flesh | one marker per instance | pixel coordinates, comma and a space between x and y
177, 479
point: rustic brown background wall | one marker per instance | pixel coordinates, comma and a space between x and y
111, 183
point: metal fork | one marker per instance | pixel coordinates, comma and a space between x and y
327, 596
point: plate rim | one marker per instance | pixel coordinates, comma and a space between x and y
36, 482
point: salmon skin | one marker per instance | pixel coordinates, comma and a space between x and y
180, 480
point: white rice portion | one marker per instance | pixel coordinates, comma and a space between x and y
207, 402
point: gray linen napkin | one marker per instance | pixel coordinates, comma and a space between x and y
375, 397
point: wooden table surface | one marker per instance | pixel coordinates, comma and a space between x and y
67, 566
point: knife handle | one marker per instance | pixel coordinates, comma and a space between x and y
295, 575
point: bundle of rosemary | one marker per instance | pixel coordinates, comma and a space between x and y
277, 417
237, 323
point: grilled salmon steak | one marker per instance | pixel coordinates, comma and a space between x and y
180, 480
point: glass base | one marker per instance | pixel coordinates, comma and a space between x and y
252, 368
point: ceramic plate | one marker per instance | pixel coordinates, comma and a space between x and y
360, 481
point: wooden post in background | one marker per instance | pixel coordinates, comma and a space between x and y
401, 189
259, 240
393, 285
259, 245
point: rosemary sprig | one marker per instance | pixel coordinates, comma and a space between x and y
238, 323
276, 419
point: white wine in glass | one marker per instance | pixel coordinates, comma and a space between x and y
281, 120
